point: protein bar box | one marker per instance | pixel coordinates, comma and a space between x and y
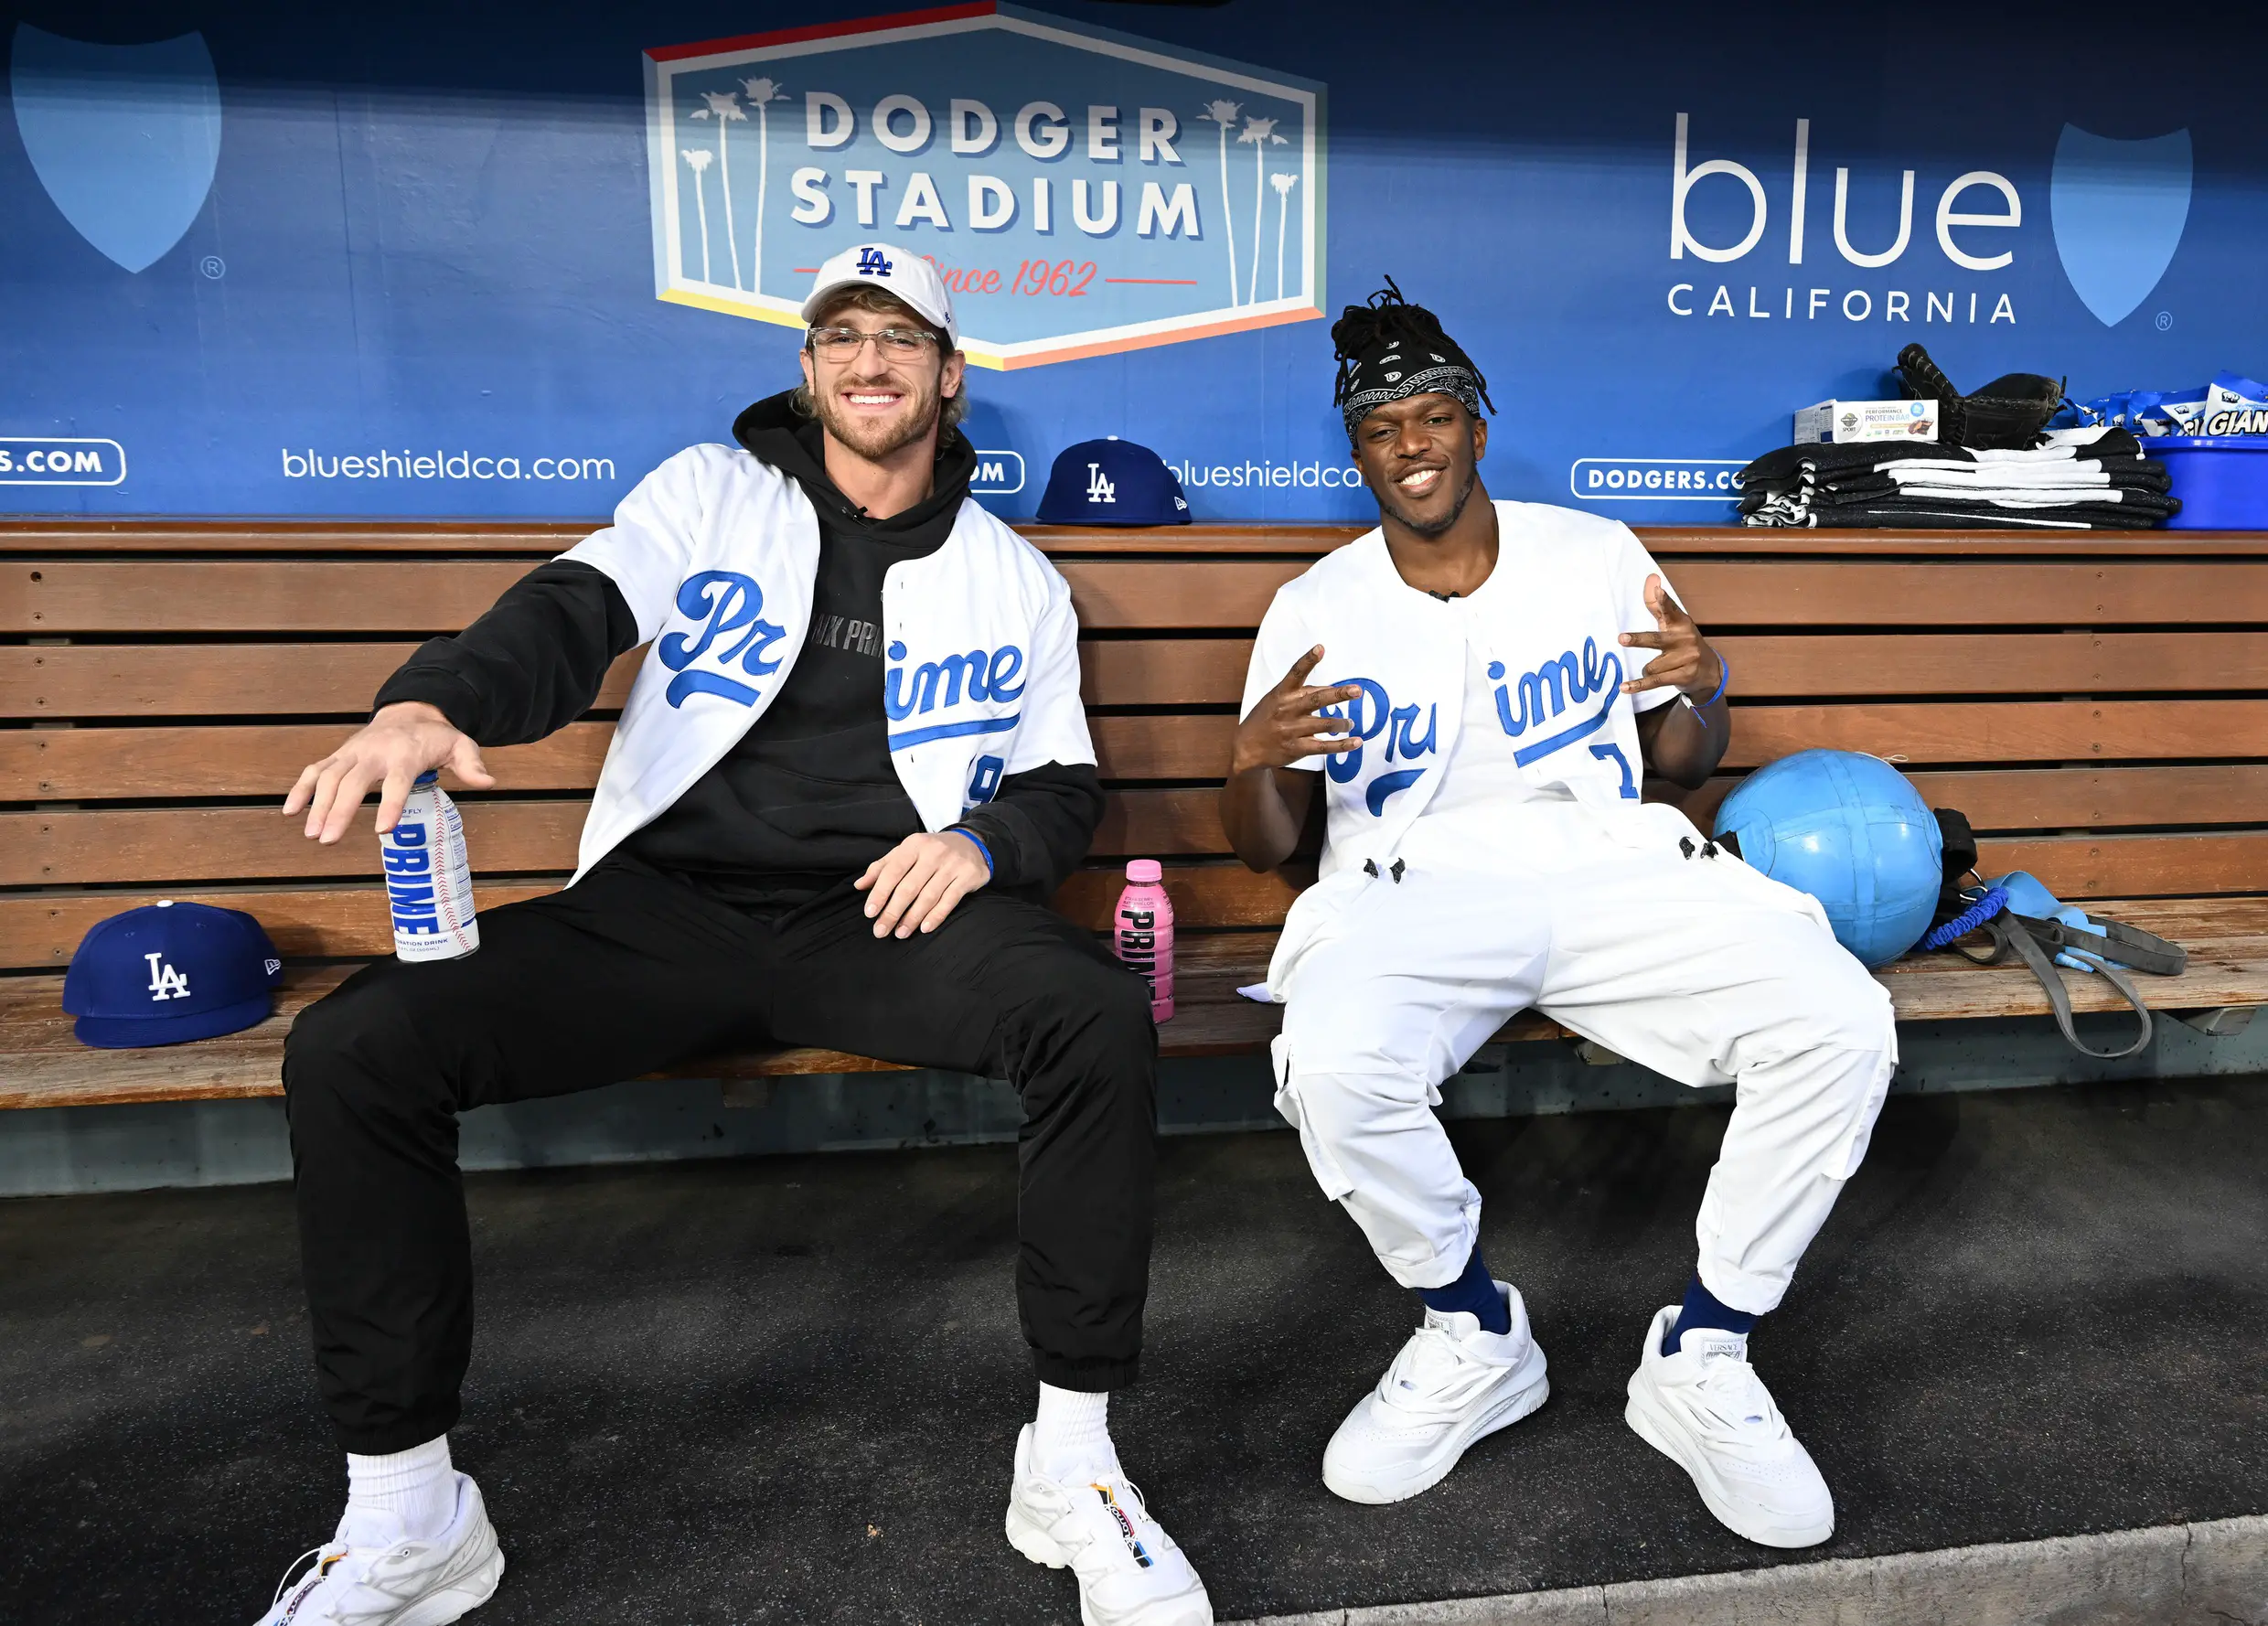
1867, 421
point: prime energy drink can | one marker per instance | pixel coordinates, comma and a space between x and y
429, 877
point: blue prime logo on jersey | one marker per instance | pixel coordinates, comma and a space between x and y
992, 676
725, 603
1558, 681
1369, 715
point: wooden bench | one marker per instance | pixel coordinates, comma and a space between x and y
2098, 707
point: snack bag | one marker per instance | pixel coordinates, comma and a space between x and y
2169, 411
2233, 405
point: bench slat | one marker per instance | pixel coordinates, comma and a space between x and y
68, 596
262, 760
251, 760
87, 847
215, 679
307, 679
266, 595
106, 596
1163, 672
246, 760
1769, 665
225, 679
90, 847
2004, 730
1869, 592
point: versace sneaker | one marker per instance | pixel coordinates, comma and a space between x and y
1451, 1385
1130, 1571
1706, 1410
368, 1575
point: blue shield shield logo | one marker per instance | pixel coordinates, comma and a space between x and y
2119, 208
124, 137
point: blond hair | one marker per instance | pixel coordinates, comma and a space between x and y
866, 297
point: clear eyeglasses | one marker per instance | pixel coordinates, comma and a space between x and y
840, 344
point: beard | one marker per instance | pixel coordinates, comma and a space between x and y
877, 439
1433, 528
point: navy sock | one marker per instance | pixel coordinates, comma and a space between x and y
1705, 1308
1474, 1292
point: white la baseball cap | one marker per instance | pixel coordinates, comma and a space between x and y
900, 272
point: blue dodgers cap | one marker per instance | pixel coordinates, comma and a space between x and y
167, 973
1112, 482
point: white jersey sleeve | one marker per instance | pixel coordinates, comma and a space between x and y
1283, 638
1632, 565
647, 548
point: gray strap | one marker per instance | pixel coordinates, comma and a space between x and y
2013, 935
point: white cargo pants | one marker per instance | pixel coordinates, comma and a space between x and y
1697, 968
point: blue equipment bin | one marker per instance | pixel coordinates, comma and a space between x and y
2221, 480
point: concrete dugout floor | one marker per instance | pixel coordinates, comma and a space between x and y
788, 1389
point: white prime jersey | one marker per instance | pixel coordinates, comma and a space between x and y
1473, 708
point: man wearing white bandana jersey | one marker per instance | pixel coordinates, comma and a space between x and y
1497, 678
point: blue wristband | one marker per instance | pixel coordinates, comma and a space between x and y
1724, 676
978, 842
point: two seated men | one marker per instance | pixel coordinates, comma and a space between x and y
781, 848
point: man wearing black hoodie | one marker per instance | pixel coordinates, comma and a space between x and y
801, 835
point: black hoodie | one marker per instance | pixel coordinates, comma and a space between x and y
808, 796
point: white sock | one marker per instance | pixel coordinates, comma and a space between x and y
417, 1486
1071, 1442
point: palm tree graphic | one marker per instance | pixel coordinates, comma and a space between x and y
760, 91
724, 107
699, 159
1283, 185
1259, 133
1223, 114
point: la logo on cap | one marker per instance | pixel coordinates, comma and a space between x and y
165, 983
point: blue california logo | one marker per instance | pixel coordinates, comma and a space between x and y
724, 601
873, 263
124, 138
2119, 209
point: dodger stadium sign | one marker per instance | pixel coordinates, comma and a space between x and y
1081, 191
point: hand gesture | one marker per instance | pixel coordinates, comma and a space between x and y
1686, 661
391, 751
1288, 723
916, 883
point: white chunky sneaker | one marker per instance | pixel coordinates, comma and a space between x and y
1706, 1410
1451, 1385
1130, 1572
369, 1576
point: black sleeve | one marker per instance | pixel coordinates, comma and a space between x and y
1038, 826
531, 665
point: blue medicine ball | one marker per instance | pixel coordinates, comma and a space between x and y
1851, 830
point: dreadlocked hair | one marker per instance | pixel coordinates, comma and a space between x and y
1388, 318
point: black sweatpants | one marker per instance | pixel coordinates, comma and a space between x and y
632, 970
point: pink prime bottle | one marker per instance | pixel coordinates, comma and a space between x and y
1142, 933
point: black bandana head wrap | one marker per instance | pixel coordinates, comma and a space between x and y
1389, 349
